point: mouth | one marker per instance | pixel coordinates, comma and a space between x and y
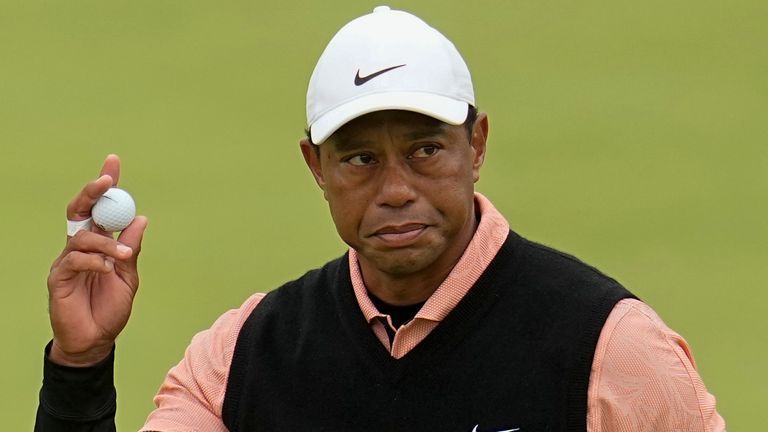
400, 235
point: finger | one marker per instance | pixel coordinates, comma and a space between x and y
90, 242
80, 206
111, 167
77, 262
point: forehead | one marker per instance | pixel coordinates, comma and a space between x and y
403, 124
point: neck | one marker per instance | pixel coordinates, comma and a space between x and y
403, 291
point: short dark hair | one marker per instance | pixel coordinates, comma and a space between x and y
469, 125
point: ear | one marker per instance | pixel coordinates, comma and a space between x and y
311, 155
479, 140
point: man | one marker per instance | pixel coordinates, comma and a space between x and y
438, 317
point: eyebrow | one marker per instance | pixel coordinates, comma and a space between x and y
438, 128
342, 144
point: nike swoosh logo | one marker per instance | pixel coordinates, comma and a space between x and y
364, 79
508, 430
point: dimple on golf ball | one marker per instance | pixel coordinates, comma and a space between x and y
114, 211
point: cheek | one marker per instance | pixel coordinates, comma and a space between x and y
453, 194
341, 219
347, 208
453, 179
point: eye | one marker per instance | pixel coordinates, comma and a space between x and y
425, 151
360, 160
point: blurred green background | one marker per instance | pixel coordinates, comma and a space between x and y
631, 134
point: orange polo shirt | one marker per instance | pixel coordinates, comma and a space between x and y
643, 374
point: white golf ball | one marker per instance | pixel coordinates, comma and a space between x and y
114, 211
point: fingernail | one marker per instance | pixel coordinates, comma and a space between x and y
109, 264
124, 250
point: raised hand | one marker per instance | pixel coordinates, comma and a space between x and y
93, 281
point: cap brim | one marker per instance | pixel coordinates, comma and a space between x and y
445, 109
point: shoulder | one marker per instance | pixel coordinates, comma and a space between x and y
309, 286
219, 340
634, 329
211, 349
192, 395
286, 309
644, 376
552, 276
549, 262
193, 391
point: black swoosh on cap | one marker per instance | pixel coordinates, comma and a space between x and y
362, 80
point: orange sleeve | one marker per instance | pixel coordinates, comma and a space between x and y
191, 397
644, 378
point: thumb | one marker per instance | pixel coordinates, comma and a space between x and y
132, 237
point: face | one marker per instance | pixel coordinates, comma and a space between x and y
400, 187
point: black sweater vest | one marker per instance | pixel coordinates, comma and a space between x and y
516, 352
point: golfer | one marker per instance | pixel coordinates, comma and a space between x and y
437, 318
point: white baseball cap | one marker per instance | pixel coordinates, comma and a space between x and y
388, 59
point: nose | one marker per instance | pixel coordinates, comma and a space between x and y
396, 185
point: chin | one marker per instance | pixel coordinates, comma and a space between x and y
402, 264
